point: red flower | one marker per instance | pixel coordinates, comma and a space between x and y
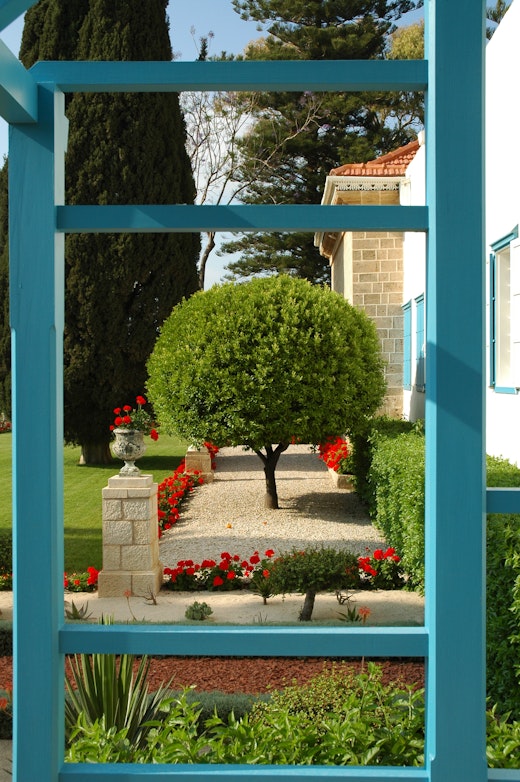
225, 555
265, 573
255, 559
117, 410
217, 581
224, 565
378, 554
118, 421
154, 434
269, 553
140, 400
127, 419
231, 575
127, 408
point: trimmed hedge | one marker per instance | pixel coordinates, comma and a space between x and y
396, 498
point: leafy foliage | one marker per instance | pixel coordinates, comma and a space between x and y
119, 288
397, 481
264, 361
336, 719
397, 478
315, 569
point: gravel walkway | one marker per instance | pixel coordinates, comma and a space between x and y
229, 514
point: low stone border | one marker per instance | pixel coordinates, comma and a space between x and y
341, 481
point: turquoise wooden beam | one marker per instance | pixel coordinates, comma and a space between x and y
455, 461
238, 773
327, 76
12, 9
502, 500
281, 217
36, 183
270, 642
18, 89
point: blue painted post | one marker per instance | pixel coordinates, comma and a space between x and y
36, 299
455, 393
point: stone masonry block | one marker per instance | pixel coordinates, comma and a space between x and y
136, 509
138, 558
117, 532
145, 532
147, 582
114, 584
112, 510
150, 492
111, 557
138, 482
114, 494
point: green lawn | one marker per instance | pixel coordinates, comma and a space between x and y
82, 494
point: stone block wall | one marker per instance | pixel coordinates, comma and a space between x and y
377, 288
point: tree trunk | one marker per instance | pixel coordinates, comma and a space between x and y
95, 453
270, 460
308, 606
210, 245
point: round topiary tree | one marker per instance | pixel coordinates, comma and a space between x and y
262, 363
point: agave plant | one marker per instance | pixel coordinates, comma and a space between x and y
105, 686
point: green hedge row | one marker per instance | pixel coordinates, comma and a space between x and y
396, 501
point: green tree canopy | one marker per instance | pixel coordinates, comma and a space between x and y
123, 149
261, 362
313, 133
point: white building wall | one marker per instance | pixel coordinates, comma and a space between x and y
502, 201
413, 193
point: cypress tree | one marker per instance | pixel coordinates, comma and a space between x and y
123, 148
311, 133
5, 333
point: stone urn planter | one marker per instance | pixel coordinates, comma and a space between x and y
128, 446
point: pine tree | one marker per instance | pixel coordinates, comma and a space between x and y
123, 149
495, 14
320, 131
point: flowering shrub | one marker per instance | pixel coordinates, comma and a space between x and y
381, 570
81, 582
6, 582
5, 426
170, 494
128, 417
230, 572
335, 452
213, 451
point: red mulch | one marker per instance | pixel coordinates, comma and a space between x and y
248, 675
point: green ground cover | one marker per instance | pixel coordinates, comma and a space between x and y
82, 494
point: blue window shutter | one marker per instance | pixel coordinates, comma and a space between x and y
407, 346
419, 344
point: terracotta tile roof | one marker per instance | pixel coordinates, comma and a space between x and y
393, 164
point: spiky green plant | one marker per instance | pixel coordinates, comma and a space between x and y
103, 686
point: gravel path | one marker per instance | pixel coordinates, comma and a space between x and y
229, 514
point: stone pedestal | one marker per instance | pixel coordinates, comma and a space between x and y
130, 538
199, 460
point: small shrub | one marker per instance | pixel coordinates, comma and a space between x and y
198, 611
311, 571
